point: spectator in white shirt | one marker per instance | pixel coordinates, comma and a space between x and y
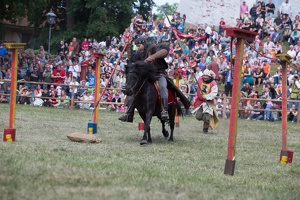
286, 8
268, 45
292, 52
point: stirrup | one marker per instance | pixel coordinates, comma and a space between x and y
164, 115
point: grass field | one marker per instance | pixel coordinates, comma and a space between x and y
44, 164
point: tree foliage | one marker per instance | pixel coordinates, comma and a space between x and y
168, 9
75, 18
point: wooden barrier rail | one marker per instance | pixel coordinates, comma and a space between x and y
73, 101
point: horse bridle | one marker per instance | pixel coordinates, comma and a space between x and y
135, 95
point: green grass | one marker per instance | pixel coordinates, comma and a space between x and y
44, 164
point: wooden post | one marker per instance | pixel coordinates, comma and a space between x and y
9, 133
285, 156
99, 57
72, 98
241, 35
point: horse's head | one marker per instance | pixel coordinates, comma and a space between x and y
133, 79
137, 74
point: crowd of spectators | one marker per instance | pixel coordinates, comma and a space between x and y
209, 48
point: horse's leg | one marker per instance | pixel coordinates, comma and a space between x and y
164, 131
149, 136
146, 129
172, 113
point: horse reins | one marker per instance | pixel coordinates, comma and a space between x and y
134, 97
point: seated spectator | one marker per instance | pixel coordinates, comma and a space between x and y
64, 100
38, 93
2, 97
219, 108
286, 34
224, 41
268, 45
256, 114
276, 37
268, 114
266, 69
73, 88
294, 37
248, 74
116, 99
24, 96
291, 52
278, 47
293, 113
86, 98
53, 101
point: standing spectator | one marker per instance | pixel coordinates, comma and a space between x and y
263, 10
286, 8
252, 12
270, 9
85, 45
243, 9
76, 46
92, 79
222, 25
108, 42
228, 81
74, 68
3, 51
295, 91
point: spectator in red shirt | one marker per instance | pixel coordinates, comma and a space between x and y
85, 45
58, 75
221, 25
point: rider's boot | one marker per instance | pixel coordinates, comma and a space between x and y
164, 113
128, 117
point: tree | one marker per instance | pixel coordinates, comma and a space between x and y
168, 9
78, 18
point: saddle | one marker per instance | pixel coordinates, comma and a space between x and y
173, 92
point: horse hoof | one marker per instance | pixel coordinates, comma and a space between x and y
166, 134
171, 140
143, 142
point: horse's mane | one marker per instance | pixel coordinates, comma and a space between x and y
145, 70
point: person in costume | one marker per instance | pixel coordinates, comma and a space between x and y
204, 103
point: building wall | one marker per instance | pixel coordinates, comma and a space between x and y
211, 11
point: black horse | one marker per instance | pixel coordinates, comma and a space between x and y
140, 79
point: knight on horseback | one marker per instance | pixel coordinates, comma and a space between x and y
148, 51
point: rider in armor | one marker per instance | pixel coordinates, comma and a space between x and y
148, 51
